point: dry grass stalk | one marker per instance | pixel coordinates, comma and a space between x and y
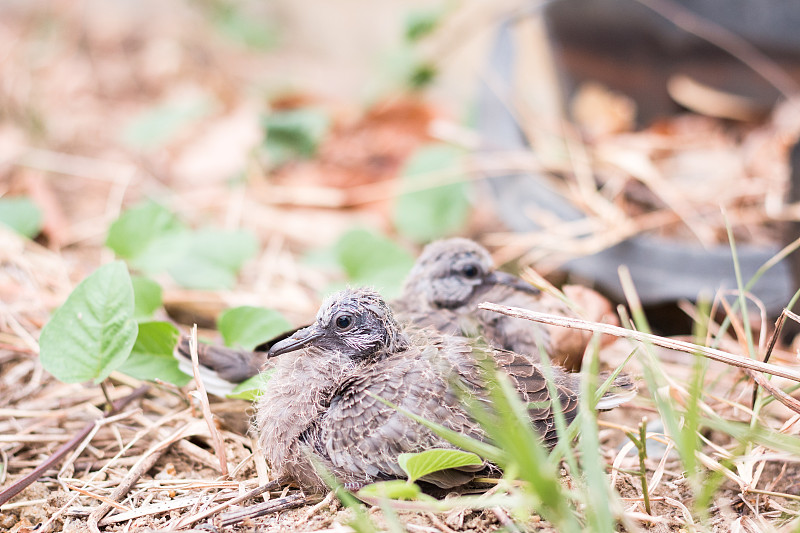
202, 396
144, 464
37, 472
189, 520
681, 346
297, 499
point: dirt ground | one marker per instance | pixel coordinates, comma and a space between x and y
75, 76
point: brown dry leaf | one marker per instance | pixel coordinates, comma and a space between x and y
221, 151
375, 146
601, 112
709, 101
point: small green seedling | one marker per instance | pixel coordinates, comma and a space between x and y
419, 465
151, 357
21, 215
152, 240
250, 389
146, 297
93, 333
294, 134
434, 201
246, 327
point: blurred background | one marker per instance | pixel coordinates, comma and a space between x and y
265, 152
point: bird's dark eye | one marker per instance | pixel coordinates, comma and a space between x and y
470, 271
344, 322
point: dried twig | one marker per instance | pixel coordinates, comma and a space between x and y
726, 40
145, 463
272, 485
315, 509
51, 461
202, 396
254, 511
673, 344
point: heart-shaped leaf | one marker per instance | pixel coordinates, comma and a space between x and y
418, 465
247, 327
213, 259
146, 297
251, 388
370, 259
151, 357
21, 215
92, 334
396, 489
139, 229
423, 213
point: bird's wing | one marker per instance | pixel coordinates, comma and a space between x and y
221, 368
364, 436
531, 382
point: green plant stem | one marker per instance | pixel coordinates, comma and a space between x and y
642, 445
109, 408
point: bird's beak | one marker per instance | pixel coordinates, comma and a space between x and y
299, 339
509, 280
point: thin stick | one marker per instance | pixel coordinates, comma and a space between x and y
295, 500
726, 40
107, 395
258, 491
202, 396
59, 454
139, 469
103, 499
681, 346
786, 399
145, 463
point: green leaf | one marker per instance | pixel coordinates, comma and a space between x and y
294, 134
418, 465
152, 357
240, 27
163, 252
247, 327
21, 215
422, 75
146, 297
373, 260
92, 334
138, 228
478, 447
421, 23
158, 125
423, 213
405, 68
397, 489
213, 259
758, 434
251, 388
152, 240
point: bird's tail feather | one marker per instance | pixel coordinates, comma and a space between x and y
622, 390
214, 382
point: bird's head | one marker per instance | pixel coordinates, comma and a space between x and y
357, 323
450, 273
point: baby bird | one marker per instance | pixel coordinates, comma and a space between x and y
448, 281
322, 399
452, 276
